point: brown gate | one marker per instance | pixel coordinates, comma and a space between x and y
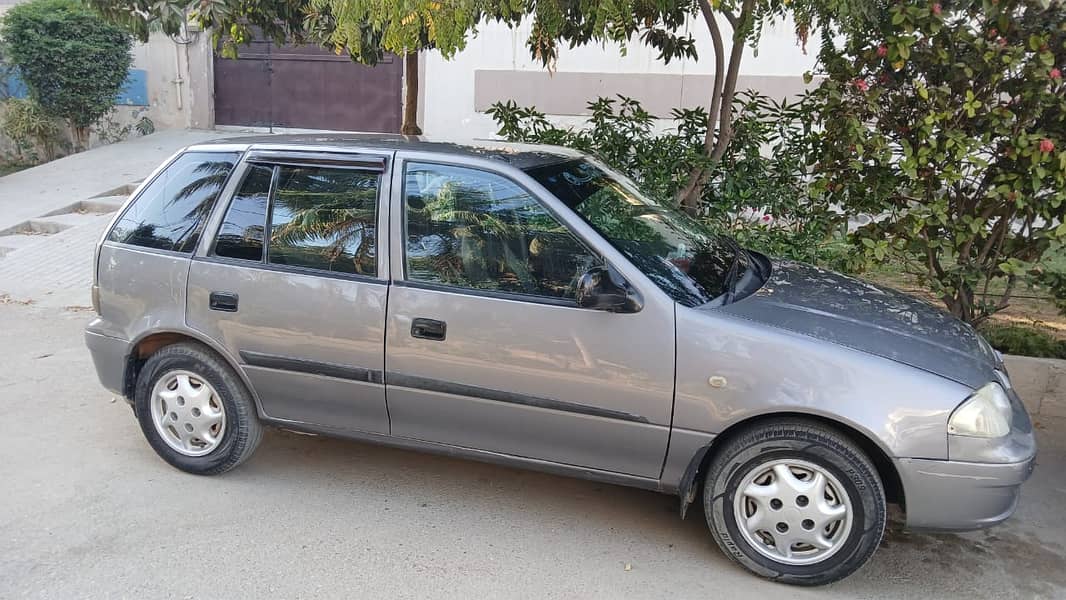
307, 87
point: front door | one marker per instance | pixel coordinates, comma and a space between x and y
294, 286
487, 349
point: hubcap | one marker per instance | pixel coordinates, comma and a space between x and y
187, 413
793, 511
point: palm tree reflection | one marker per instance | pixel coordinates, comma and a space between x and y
325, 219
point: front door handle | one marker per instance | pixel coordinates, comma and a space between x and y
429, 329
223, 301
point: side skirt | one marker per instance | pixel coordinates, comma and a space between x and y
474, 454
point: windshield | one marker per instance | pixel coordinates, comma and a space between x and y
684, 259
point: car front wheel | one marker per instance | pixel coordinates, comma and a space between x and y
795, 501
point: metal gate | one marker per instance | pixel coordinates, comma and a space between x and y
307, 87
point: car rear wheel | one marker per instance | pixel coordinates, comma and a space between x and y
195, 411
795, 501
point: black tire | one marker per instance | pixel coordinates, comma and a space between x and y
812, 442
243, 430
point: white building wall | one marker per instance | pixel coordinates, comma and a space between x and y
450, 109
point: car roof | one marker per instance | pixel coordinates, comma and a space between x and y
521, 156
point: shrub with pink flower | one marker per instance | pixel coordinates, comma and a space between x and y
982, 77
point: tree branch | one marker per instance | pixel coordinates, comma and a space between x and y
729, 16
725, 121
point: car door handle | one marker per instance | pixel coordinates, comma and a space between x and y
429, 329
223, 301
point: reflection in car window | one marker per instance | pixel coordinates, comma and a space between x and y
169, 213
326, 219
473, 229
241, 234
677, 253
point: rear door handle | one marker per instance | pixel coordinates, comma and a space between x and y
223, 301
429, 329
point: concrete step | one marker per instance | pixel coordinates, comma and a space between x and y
95, 206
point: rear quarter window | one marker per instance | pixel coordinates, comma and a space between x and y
169, 213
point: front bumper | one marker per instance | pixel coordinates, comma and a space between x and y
109, 358
979, 485
959, 496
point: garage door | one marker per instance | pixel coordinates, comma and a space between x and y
307, 87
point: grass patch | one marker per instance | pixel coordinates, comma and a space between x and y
7, 169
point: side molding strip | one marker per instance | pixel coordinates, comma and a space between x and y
284, 363
459, 389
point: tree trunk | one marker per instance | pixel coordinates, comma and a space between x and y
81, 137
722, 97
961, 304
410, 97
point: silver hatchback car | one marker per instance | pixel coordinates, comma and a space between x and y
526, 305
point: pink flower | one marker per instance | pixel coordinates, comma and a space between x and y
936, 9
861, 85
1046, 145
767, 219
1055, 74
882, 50
1002, 42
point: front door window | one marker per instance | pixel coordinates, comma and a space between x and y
476, 230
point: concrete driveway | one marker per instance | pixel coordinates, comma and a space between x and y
89, 511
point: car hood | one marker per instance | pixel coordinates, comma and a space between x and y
862, 316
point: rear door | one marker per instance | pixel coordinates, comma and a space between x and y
295, 286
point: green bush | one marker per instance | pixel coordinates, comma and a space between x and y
1024, 341
758, 191
1052, 274
29, 128
72, 61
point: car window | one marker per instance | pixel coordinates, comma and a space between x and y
679, 254
473, 229
169, 213
242, 231
325, 218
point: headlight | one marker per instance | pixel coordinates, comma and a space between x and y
987, 414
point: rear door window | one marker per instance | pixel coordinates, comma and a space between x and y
325, 218
243, 229
170, 213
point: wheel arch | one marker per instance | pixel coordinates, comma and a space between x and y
150, 342
694, 475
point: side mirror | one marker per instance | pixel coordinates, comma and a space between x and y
603, 288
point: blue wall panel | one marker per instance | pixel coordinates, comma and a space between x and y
133, 93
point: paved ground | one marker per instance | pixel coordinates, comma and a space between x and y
89, 511
52, 215
34, 192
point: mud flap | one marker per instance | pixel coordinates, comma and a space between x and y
688, 489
